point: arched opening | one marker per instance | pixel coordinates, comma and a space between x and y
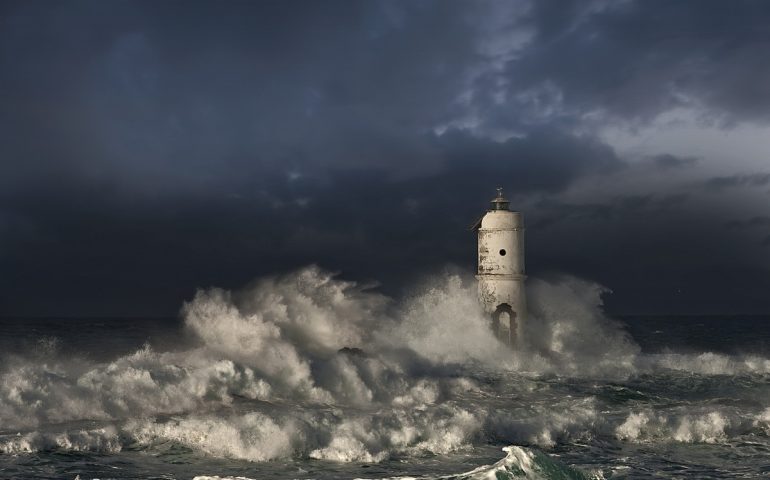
504, 323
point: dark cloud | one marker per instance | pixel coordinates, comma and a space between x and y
554, 212
177, 95
543, 160
632, 60
361, 221
753, 222
632, 237
672, 199
94, 252
751, 225
149, 148
730, 181
616, 209
667, 161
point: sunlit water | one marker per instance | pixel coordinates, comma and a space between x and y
253, 384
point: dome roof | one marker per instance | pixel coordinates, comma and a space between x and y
499, 215
497, 219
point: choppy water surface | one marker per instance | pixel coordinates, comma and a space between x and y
260, 384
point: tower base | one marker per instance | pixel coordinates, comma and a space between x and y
505, 310
502, 297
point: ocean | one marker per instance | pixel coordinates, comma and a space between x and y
308, 376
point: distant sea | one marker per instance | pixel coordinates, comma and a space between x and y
103, 338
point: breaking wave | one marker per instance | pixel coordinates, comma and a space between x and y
519, 462
307, 365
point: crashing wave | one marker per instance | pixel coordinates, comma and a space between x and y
306, 365
519, 462
103, 440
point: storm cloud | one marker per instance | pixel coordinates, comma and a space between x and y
151, 148
751, 180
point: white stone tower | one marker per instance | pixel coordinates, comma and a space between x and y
501, 268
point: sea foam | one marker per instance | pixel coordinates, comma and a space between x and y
306, 365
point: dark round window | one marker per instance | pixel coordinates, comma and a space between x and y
502, 252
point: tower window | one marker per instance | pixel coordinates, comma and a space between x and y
502, 252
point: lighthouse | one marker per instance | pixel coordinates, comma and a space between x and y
501, 268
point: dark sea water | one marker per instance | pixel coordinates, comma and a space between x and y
253, 384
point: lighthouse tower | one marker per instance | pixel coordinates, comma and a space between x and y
501, 268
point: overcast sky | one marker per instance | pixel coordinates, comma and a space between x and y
149, 148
